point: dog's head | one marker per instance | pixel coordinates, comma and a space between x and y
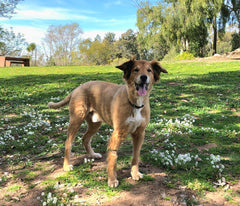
141, 75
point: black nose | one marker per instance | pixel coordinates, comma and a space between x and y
143, 78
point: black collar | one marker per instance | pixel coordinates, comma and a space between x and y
135, 106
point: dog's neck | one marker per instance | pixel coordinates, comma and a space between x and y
136, 102
138, 106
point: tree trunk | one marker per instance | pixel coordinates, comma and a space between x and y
214, 35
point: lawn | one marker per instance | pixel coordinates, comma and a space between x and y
193, 138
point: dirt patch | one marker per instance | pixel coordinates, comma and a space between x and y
229, 56
155, 191
207, 146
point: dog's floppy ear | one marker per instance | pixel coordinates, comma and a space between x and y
157, 69
127, 68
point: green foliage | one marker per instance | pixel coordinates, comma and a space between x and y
109, 50
170, 56
184, 56
151, 41
11, 43
183, 24
224, 44
235, 41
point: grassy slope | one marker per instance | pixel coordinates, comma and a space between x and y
196, 104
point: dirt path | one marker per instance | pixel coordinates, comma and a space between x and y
155, 192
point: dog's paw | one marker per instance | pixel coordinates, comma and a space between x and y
67, 168
96, 155
113, 183
136, 175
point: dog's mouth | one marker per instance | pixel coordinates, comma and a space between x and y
142, 88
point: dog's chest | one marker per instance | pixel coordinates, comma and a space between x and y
135, 120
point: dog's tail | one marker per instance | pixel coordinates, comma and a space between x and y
62, 103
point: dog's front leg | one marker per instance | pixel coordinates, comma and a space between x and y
138, 138
114, 143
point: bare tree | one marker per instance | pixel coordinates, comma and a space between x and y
60, 42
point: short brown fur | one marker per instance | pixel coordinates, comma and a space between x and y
97, 102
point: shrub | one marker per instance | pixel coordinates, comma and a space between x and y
184, 56
118, 61
235, 41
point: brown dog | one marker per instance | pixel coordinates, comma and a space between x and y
124, 107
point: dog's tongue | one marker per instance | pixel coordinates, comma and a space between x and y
142, 90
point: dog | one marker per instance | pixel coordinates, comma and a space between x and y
124, 107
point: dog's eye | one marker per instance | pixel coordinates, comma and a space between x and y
136, 70
149, 70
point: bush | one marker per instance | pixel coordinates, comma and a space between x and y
171, 55
184, 56
235, 41
118, 61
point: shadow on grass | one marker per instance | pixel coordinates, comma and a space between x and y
36, 89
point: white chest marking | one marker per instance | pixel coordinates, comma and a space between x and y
135, 120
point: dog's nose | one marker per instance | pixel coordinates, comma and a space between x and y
143, 78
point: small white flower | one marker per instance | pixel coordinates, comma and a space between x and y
49, 195
56, 186
54, 200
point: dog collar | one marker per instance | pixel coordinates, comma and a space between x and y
135, 106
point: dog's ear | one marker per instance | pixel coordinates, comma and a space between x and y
126, 68
157, 69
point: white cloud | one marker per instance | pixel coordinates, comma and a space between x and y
48, 14
45, 14
112, 3
36, 34
31, 34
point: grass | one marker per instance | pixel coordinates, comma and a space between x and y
195, 105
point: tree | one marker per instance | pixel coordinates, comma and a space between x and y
231, 13
180, 23
209, 11
60, 42
32, 47
94, 53
150, 20
11, 43
231, 9
110, 38
126, 46
7, 7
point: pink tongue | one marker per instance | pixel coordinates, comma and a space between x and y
142, 91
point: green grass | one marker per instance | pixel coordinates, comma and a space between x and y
197, 103
14, 187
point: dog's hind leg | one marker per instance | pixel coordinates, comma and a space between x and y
93, 128
76, 119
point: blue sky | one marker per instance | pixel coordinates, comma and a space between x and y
94, 17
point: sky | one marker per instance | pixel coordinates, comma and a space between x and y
33, 17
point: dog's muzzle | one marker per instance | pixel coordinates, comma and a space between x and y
142, 85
